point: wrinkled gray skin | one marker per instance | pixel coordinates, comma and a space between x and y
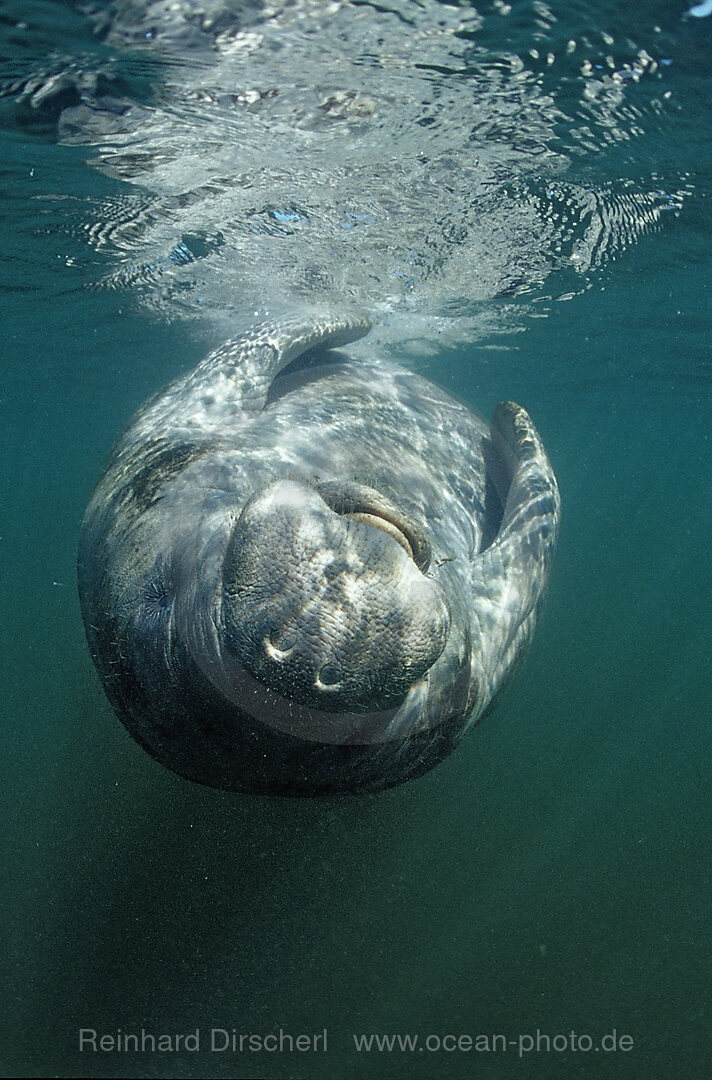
302, 574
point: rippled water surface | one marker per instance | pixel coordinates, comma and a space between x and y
520, 194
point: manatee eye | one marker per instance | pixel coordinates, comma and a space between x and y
156, 598
328, 678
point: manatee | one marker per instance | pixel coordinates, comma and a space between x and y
305, 573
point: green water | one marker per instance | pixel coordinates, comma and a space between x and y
553, 875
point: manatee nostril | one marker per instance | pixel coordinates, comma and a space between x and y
328, 677
281, 648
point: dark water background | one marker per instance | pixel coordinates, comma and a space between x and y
554, 874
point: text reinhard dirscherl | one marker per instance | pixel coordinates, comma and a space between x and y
219, 1040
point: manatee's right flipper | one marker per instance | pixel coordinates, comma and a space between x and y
509, 577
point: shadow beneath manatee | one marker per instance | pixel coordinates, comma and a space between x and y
191, 907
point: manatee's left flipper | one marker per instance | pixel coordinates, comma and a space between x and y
509, 577
250, 362
235, 378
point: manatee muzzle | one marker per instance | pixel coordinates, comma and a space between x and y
361, 503
325, 600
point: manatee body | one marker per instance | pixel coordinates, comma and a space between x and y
306, 574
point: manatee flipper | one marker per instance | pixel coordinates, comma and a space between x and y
508, 577
233, 381
250, 362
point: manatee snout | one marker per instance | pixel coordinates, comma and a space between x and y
324, 600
